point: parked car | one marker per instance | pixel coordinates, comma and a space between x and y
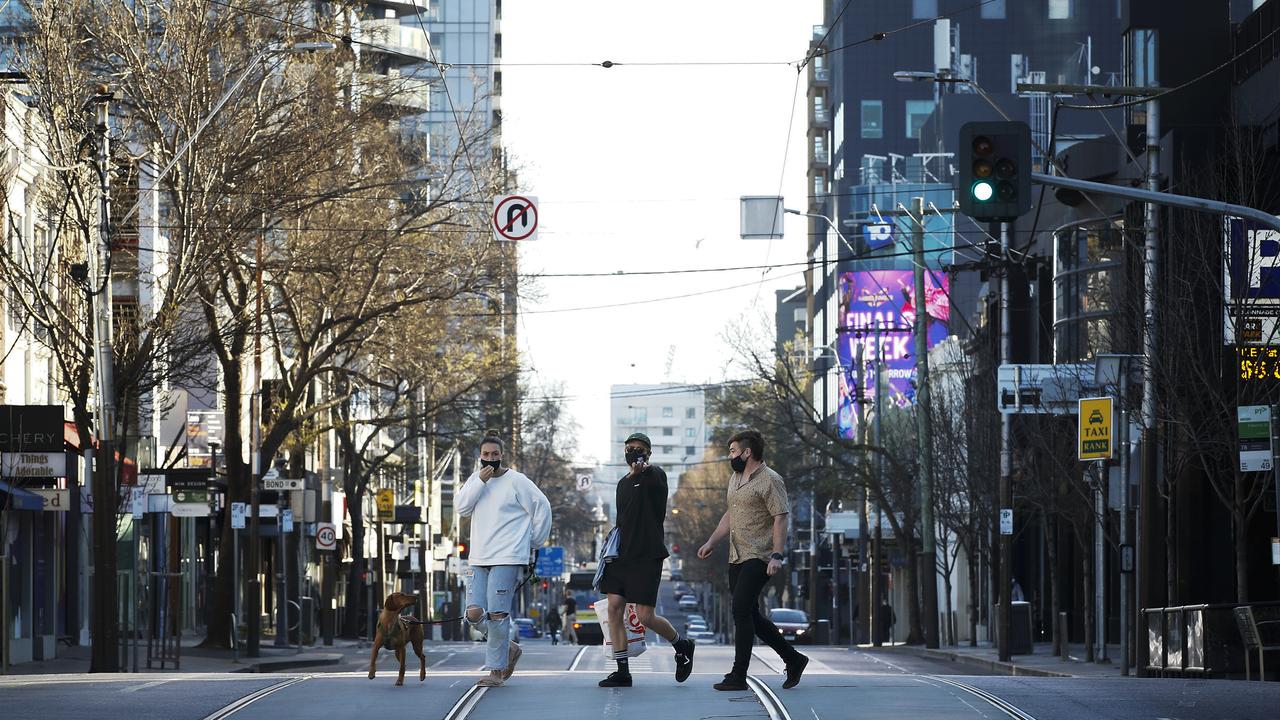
692, 618
676, 574
694, 627
527, 628
681, 589
688, 602
794, 624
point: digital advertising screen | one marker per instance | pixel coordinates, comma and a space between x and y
884, 299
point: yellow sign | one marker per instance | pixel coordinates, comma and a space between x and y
387, 505
1095, 429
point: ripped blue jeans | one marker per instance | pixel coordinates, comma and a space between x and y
490, 591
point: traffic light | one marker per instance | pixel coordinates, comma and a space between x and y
995, 170
463, 551
545, 585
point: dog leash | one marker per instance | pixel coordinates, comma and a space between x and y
531, 575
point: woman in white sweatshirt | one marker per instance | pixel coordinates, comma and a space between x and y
510, 520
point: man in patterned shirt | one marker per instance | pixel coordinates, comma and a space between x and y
756, 524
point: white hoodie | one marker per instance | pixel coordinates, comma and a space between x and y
510, 518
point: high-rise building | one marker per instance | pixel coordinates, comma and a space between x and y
673, 415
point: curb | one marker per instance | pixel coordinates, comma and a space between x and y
995, 666
291, 663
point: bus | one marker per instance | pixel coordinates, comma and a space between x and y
580, 584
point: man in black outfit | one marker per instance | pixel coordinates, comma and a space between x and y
634, 576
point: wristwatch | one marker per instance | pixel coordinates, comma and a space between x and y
776, 556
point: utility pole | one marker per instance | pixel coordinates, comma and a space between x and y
1006, 460
254, 584
924, 432
1147, 495
106, 638
859, 393
877, 578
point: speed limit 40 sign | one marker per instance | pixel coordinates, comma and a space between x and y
326, 536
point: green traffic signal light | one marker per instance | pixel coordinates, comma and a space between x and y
982, 191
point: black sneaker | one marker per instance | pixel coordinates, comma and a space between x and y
617, 679
684, 659
731, 683
794, 671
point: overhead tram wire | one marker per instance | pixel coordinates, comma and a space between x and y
885, 34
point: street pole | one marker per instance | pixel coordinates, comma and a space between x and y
1124, 518
859, 394
106, 638
1147, 496
254, 585
282, 586
877, 578
1006, 459
1099, 563
928, 558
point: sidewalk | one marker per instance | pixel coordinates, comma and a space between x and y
75, 659
1040, 663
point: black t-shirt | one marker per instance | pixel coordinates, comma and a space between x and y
641, 502
570, 606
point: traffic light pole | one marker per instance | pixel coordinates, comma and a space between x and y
1006, 463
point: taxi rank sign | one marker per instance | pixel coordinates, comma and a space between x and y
1094, 430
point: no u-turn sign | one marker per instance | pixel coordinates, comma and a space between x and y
515, 217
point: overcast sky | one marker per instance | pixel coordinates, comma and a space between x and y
641, 168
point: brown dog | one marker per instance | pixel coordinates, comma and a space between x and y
395, 632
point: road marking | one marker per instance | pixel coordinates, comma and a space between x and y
251, 698
578, 658
443, 660
899, 668
466, 703
144, 686
772, 705
815, 714
998, 703
765, 662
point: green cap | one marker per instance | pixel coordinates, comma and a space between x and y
642, 438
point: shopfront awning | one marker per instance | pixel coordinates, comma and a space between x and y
15, 498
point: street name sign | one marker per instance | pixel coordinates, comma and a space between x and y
1254, 425
1094, 429
515, 218
279, 483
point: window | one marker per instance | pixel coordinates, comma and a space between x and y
917, 112
639, 416
993, 10
923, 9
666, 449
690, 433
691, 413
1060, 9
666, 412
872, 119
690, 450
668, 431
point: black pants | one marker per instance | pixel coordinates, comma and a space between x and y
746, 580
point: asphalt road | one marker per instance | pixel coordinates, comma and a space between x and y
559, 683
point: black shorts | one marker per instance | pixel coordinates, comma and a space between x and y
635, 580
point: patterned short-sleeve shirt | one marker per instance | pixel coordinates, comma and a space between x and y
753, 503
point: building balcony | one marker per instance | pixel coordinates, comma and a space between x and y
820, 118
819, 76
819, 158
819, 32
408, 41
404, 94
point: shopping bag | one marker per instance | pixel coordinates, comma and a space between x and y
635, 631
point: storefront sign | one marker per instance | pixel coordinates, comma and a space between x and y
35, 464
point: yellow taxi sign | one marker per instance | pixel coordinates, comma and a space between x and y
386, 505
1094, 429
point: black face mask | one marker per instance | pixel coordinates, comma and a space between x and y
490, 463
738, 464
636, 455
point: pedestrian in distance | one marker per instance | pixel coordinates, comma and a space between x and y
635, 574
553, 626
570, 618
510, 520
756, 525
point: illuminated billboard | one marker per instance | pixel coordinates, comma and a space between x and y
883, 299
